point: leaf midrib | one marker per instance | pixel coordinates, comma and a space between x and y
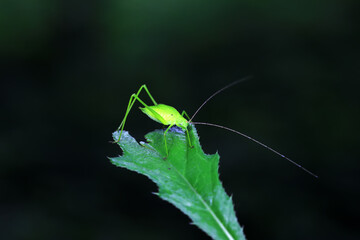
217, 220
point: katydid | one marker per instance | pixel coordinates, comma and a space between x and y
169, 116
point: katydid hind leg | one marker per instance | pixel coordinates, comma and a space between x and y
130, 104
149, 94
132, 100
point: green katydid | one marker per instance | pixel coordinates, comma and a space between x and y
169, 116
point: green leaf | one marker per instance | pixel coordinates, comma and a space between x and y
188, 178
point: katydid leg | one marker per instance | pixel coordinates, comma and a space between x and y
184, 113
166, 148
187, 131
132, 100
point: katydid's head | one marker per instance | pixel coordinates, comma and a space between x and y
183, 123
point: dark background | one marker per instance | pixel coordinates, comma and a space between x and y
68, 69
